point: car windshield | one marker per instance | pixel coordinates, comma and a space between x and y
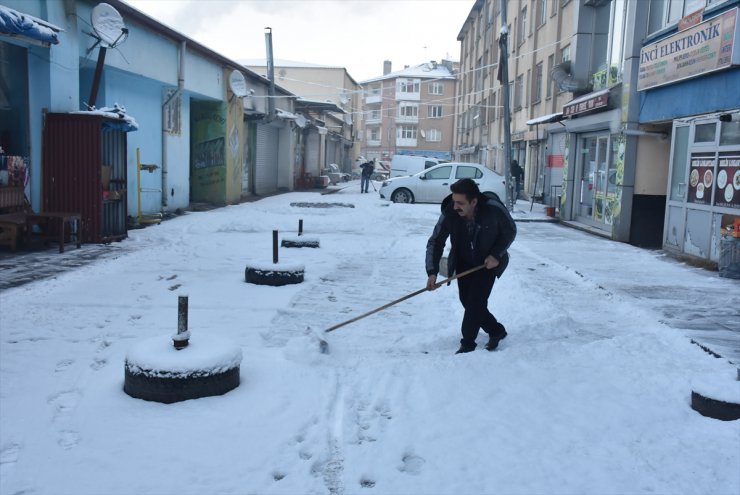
438, 173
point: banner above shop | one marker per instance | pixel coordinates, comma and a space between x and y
586, 103
706, 47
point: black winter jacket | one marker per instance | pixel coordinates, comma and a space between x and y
494, 232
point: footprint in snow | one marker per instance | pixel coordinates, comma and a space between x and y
412, 464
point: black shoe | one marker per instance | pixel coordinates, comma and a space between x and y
495, 338
465, 348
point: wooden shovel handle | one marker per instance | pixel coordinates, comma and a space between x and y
401, 299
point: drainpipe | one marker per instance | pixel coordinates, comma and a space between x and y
175, 94
270, 75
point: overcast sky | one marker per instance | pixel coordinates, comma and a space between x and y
356, 34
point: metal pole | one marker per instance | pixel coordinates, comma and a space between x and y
270, 75
183, 336
504, 71
300, 227
96, 78
274, 246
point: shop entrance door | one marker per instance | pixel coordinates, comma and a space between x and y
593, 185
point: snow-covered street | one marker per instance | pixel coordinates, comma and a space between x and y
589, 393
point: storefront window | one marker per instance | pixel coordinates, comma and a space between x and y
729, 133
705, 133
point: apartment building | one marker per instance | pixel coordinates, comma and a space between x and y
410, 111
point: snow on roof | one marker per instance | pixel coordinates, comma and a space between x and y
428, 70
18, 23
279, 62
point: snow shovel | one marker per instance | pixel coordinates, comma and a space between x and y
407, 296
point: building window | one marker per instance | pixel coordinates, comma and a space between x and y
375, 90
408, 85
550, 62
537, 86
373, 134
518, 90
374, 114
553, 7
664, 13
407, 132
435, 88
408, 110
565, 54
434, 111
541, 12
434, 135
492, 113
523, 26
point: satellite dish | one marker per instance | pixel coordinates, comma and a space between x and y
300, 120
108, 25
343, 98
238, 84
423, 134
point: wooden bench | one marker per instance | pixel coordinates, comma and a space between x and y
19, 221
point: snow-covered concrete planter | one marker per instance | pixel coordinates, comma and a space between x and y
274, 274
156, 371
300, 241
717, 399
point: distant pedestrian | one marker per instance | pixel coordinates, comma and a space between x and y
517, 174
367, 172
480, 231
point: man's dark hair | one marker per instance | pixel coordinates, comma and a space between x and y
468, 187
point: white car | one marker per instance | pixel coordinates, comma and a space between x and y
433, 184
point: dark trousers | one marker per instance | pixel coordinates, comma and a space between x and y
474, 291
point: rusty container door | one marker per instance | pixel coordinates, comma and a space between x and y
77, 147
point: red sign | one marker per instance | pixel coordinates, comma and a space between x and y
555, 161
691, 20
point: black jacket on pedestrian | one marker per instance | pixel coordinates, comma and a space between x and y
494, 232
367, 169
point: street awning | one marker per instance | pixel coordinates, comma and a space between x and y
18, 24
320, 106
284, 114
546, 119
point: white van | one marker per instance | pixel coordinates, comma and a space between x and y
402, 165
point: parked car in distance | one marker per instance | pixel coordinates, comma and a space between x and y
402, 165
433, 185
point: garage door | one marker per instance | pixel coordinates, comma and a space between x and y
266, 166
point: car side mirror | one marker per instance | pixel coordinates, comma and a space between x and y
423, 177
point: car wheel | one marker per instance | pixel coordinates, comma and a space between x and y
402, 195
491, 195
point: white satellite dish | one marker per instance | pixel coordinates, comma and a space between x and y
344, 98
238, 84
108, 25
423, 134
300, 120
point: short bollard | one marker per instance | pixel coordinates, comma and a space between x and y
182, 337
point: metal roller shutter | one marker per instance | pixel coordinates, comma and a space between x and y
266, 167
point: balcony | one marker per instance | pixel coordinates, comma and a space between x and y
370, 99
406, 142
373, 119
404, 96
407, 119
373, 142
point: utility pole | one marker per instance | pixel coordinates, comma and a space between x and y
270, 75
503, 71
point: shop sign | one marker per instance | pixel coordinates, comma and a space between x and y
706, 47
727, 191
586, 103
555, 161
691, 20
